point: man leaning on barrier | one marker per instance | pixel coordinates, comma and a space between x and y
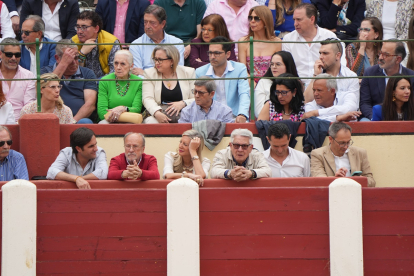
12, 163
80, 162
239, 161
134, 163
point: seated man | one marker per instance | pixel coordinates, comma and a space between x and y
389, 63
282, 159
12, 7
204, 107
329, 105
12, 163
80, 162
339, 159
80, 96
134, 163
234, 93
6, 27
239, 161
98, 58
18, 93
155, 19
34, 27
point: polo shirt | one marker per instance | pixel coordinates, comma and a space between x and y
72, 92
182, 21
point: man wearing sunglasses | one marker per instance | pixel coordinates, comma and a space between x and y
12, 163
18, 93
339, 159
239, 161
204, 107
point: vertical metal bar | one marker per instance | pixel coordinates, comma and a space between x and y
252, 116
39, 105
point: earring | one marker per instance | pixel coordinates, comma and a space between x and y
171, 66
393, 98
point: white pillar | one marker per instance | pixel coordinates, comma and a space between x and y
345, 228
183, 231
18, 252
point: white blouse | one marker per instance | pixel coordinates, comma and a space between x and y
169, 167
389, 18
7, 115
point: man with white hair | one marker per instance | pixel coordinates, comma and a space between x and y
239, 161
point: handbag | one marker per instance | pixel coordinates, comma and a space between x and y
127, 117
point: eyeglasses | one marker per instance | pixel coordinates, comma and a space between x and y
9, 142
159, 60
83, 28
277, 64
364, 29
201, 93
10, 54
344, 144
152, 23
26, 33
256, 18
208, 30
54, 87
281, 92
217, 53
386, 55
237, 146
134, 147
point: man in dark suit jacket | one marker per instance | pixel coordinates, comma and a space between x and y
389, 63
134, 21
330, 11
68, 14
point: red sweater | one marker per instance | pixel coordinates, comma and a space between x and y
148, 165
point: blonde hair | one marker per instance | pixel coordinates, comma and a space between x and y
178, 161
266, 16
45, 79
171, 52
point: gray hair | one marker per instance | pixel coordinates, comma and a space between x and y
129, 56
39, 24
330, 81
399, 48
6, 129
337, 126
140, 134
242, 132
66, 43
157, 11
171, 52
207, 82
10, 42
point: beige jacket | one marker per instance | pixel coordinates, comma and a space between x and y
323, 163
223, 160
151, 89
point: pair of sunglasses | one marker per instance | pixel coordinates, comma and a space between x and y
10, 54
9, 142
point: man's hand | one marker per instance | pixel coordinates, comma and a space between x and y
350, 116
187, 50
240, 119
337, 2
240, 173
313, 113
137, 71
69, 55
341, 172
82, 183
318, 67
15, 23
132, 172
88, 46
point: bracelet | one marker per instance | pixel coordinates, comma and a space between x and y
77, 178
82, 54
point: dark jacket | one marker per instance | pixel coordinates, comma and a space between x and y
12, 4
328, 15
68, 14
47, 55
372, 90
134, 23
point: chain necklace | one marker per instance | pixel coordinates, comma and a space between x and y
167, 83
122, 90
189, 168
287, 114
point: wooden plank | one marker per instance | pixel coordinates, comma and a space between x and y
388, 222
396, 247
387, 199
388, 267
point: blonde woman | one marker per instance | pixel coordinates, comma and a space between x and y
187, 161
51, 102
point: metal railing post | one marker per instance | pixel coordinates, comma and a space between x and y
39, 105
252, 116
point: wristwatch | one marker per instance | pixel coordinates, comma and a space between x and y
254, 174
195, 157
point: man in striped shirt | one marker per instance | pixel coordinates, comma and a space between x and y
12, 163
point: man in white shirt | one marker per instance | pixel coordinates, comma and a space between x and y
328, 104
329, 62
5, 23
306, 30
282, 159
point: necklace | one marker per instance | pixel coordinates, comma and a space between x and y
287, 114
189, 168
168, 83
121, 90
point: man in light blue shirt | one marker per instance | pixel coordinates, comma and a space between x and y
155, 19
204, 107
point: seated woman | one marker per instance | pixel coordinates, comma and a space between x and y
172, 94
211, 26
187, 162
261, 28
280, 63
51, 102
361, 55
398, 102
6, 109
286, 100
122, 95
282, 11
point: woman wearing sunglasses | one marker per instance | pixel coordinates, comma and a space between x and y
187, 161
361, 55
51, 102
286, 100
261, 28
164, 94
6, 109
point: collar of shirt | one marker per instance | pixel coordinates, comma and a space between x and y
152, 41
244, 164
340, 72
334, 103
127, 158
15, 76
6, 159
267, 155
56, 8
316, 38
211, 107
77, 75
175, 4
346, 152
40, 47
385, 73
210, 70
